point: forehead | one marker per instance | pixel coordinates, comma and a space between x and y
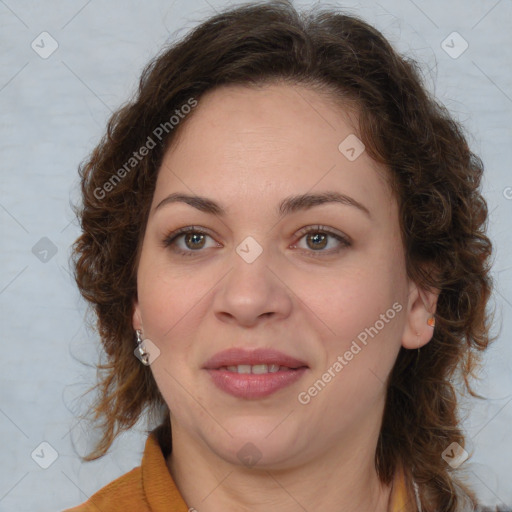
272, 140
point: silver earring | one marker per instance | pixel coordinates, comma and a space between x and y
144, 356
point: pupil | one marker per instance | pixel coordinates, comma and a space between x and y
317, 237
194, 237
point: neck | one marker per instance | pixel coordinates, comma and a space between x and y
341, 480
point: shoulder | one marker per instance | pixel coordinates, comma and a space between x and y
147, 487
124, 494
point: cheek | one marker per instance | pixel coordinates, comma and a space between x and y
347, 299
167, 301
359, 306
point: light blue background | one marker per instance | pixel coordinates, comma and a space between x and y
52, 113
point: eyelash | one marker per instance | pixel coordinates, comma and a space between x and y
171, 238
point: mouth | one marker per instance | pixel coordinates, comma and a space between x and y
256, 369
254, 374
262, 360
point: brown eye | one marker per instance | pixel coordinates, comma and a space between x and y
318, 238
194, 240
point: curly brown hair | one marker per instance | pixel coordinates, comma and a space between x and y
434, 176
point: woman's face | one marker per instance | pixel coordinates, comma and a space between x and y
318, 320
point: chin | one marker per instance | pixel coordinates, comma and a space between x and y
258, 443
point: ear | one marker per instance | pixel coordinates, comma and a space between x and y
421, 306
136, 316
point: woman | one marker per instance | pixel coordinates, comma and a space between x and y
288, 232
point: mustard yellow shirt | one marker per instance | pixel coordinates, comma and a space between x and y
151, 488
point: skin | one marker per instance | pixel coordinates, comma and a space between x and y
248, 149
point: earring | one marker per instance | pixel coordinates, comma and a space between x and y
432, 322
144, 356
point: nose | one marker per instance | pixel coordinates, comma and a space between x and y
252, 293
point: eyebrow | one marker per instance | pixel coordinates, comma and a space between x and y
289, 205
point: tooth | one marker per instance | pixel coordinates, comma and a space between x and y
260, 368
257, 369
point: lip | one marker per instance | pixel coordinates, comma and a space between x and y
253, 386
236, 356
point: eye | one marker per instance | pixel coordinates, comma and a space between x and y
193, 238
317, 239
